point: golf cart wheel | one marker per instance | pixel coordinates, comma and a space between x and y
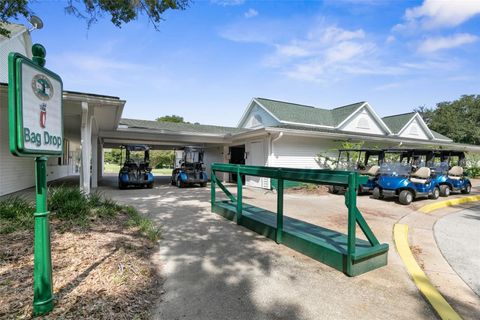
467, 189
377, 194
444, 190
150, 185
435, 193
180, 184
333, 189
172, 182
121, 186
203, 184
405, 197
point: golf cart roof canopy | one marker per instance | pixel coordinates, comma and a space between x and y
373, 151
138, 147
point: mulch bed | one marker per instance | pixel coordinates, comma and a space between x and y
310, 190
103, 271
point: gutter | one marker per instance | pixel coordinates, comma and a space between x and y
302, 133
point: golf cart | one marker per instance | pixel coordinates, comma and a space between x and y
136, 170
190, 170
448, 167
364, 161
405, 174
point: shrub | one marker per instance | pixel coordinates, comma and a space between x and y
16, 214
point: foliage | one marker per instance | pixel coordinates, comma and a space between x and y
458, 119
15, 214
120, 12
325, 160
113, 156
11, 9
172, 118
161, 159
146, 226
473, 165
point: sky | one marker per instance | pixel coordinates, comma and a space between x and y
207, 62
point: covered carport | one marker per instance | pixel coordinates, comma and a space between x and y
214, 140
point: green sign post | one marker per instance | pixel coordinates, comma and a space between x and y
36, 130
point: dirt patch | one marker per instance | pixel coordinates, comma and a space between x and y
103, 271
417, 252
308, 190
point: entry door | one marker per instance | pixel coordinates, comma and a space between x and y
256, 157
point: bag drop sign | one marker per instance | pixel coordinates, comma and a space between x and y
38, 114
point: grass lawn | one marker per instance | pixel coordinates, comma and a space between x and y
115, 168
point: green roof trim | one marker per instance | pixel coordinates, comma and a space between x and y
398, 121
184, 127
303, 114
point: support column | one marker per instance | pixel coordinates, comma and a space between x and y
85, 146
100, 160
94, 161
226, 175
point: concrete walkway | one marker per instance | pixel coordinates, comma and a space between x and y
214, 269
458, 237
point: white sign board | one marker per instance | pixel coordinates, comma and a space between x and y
39, 114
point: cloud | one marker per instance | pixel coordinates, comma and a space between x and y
434, 14
440, 43
251, 13
226, 3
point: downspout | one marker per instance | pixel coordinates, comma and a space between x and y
280, 135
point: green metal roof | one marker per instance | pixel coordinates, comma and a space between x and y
398, 121
298, 113
180, 127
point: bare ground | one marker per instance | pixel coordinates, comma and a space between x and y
103, 271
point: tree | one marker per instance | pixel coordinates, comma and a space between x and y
120, 11
458, 119
172, 118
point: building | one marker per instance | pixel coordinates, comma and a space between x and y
270, 133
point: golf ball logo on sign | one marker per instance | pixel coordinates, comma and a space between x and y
41, 97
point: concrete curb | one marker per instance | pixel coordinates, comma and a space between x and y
448, 203
433, 296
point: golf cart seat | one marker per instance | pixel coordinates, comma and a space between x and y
456, 173
421, 175
373, 171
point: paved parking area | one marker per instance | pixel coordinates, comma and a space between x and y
214, 269
457, 236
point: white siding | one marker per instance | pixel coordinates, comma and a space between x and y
257, 156
414, 130
15, 173
363, 122
212, 155
301, 152
19, 41
258, 118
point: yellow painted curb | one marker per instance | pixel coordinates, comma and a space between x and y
438, 302
447, 203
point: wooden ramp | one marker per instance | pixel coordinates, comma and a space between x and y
322, 244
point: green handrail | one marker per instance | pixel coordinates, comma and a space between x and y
349, 179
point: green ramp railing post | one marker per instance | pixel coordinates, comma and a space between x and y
239, 196
213, 180
279, 232
351, 196
42, 274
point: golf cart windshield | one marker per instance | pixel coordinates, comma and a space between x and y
395, 169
